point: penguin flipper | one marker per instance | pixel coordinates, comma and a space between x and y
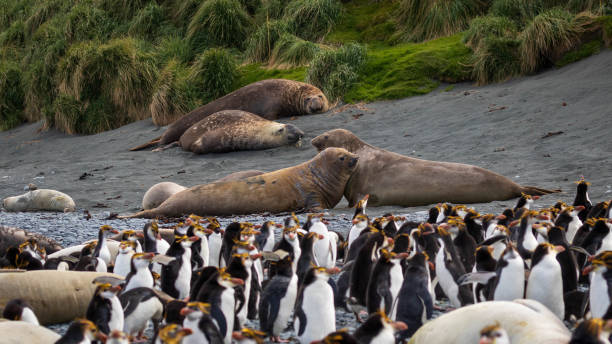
211, 332
299, 313
481, 277
217, 314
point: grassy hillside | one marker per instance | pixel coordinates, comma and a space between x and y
85, 66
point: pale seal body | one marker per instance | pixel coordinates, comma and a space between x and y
270, 99
393, 179
23, 332
234, 130
314, 184
525, 321
160, 192
41, 199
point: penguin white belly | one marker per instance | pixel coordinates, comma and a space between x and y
228, 304
116, 321
105, 253
242, 315
546, 286
386, 336
321, 251
397, 279
269, 245
137, 320
447, 282
572, 229
161, 246
529, 241
101, 266
297, 251
318, 306
511, 284
606, 244
63, 266
196, 336
598, 295
204, 254
354, 234
287, 303
122, 264
183, 280
214, 249
498, 249
142, 278
333, 248
28, 315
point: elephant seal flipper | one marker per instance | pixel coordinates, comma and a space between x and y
409, 181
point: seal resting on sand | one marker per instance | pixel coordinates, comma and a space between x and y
41, 199
393, 179
313, 185
233, 130
160, 192
270, 99
10, 236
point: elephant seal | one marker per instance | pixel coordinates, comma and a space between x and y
40, 199
55, 296
10, 237
393, 179
270, 99
313, 185
160, 192
233, 130
25, 332
525, 321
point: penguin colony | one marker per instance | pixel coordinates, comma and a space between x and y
205, 285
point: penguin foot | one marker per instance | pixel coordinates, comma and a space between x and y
278, 339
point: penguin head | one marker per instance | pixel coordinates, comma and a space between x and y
455, 224
249, 336
339, 337
127, 247
494, 334
195, 310
117, 337
582, 185
87, 328
248, 232
226, 280
107, 230
323, 272
600, 262
595, 330
18, 309
361, 220
173, 334
142, 260
484, 252
243, 246
200, 231
290, 233
186, 241
107, 290
459, 210
377, 323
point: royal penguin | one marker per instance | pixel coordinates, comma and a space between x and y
570, 222
18, 309
132, 235
360, 222
415, 301
219, 292
484, 263
599, 239
592, 331
240, 266
315, 314
278, 299
215, 241
265, 239
338, 337
473, 225
123, 261
140, 275
171, 334
449, 269
464, 243
494, 334
230, 236
526, 242
81, 331
105, 309
200, 252
101, 251
360, 207
198, 320
378, 329
385, 282
141, 305
87, 262
582, 198
289, 243
31, 255
545, 283
324, 249
600, 272
176, 276
307, 260
153, 241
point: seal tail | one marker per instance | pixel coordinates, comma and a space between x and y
151, 143
146, 214
536, 191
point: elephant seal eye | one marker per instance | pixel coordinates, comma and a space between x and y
341, 158
326, 137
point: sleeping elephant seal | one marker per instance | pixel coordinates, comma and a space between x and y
234, 130
314, 184
42, 199
18, 332
160, 192
55, 296
525, 321
393, 179
10, 237
270, 99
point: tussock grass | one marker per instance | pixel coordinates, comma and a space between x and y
219, 22
520, 11
183, 10
172, 96
428, 19
114, 80
12, 10
335, 71
85, 22
11, 95
271, 10
366, 21
496, 59
251, 6
173, 47
14, 35
123, 9
263, 40
44, 11
214, 73
546, 38
312, 19
483, 27
147, 22
291, 50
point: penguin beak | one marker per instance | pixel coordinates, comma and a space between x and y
237, 335
256, 256
115, 289
535, 198
140, 235
332, 271
587, 270
101, 337
402, 255
278, 225
257, 226
185, 311
114, 231
390, 241
320, 236
194, 238
237, 281
559, 248
399, 326
485, 340
432, 266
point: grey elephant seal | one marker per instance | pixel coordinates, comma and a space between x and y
160, 192
525, 321
314, 184
25, 332
270, 99
234, 130
40, 199
393, 179
10, 237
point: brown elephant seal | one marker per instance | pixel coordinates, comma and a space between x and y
393, 179
40, 199
24, 332
55, 296
234, 130
270, 99
10, 237
314, 184
160, 192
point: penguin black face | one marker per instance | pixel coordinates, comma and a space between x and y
173, 334
86, 327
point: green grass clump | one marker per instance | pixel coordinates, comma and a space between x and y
11, 95
173, 95
14, 35
411, 69
182, 11
335, 71
312, 19
214, 73
366, 21
293, 51
219, 22
254, 72
547, 37
12, 10
520, 11
86, 22
122, 9
582, 52
270, 10
428, 19
483, 27
171, 47
262, 41
147, 21
251, 6
114, 80
44, 11
496, 59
